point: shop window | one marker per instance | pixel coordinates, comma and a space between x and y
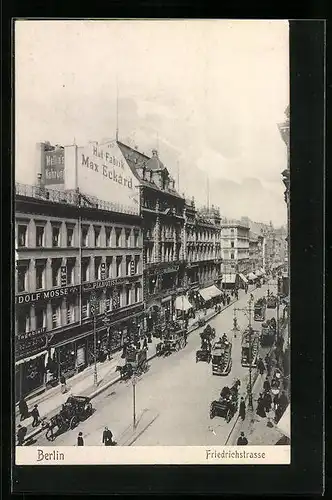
40, 316
128, 295
108, 233
70, 236
85, 270
137, 259
55, 236
232, 256
85, 308
109, 261
108, 301
118, 266
55, 316
40, 275
232, 244
22, 235
22, 278
56, 264
23, 321
137, 292
84, 236
128, 238
40, 230
118, 237
136, 235
97, 236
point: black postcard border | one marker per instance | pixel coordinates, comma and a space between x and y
305, 474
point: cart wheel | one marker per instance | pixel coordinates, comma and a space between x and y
73, 422
49, 435
177, 346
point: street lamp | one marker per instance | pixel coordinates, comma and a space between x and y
134, 382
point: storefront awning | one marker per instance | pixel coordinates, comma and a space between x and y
252, 276
283, 425
182, 303
210, 292
243, 278
258, 273
229, 278
30, 358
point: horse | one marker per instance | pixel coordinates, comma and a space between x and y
125, 371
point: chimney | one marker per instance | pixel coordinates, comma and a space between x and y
155, 153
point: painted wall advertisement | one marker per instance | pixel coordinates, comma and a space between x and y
102, 171
54, 164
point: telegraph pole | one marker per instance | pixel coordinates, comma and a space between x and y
93, 312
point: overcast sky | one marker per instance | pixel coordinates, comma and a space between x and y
208, 94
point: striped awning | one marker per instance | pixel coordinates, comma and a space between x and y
30, 358
243, 278
229, 278
182, 303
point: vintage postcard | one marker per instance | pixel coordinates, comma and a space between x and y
152, 302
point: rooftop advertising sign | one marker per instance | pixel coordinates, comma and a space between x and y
54, 163
102, 171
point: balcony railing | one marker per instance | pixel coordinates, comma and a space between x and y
71, 198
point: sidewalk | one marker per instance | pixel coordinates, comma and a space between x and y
258, 430
83, 383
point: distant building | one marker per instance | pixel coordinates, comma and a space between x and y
234, 249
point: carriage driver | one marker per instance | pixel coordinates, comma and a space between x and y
224, 338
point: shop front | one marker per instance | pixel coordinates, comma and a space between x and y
30, 365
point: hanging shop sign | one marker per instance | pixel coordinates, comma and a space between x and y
63, 275
28, 298
30, 342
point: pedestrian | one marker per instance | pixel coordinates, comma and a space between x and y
80, 440
260, 407
261, 366
268, 365
267, 385
24, 410
21, 433
242, 411
63, 384
275, 402
242, 440
36, 416
267, 398
228, 299
145, 343
107, 437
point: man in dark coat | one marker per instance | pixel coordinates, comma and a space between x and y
21, 433
107, 437
80, 440
260, 407
36, 416
242, 440
24, 410
242, 410
267, 385
260, 366
267, 398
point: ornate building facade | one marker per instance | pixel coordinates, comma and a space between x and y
234, 250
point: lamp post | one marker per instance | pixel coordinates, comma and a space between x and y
134, 382
93, 312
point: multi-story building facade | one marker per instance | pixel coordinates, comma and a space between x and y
255, 252
67, 250
162, 209
234, 249
202, 247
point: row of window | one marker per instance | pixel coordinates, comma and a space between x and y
67, 312
91, 236
113, 268
194, 235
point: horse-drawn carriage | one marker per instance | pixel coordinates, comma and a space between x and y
249, 347
221, 356
271, 301
135, 362
75, 409
174, 338
208, 333
260, 309
227, 405
268, 333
